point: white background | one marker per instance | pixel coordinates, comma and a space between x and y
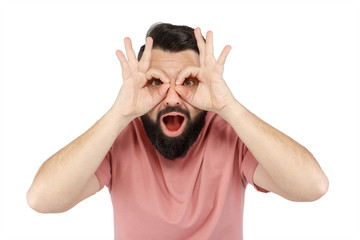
295, 64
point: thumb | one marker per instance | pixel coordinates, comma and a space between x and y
160, 93
185, 93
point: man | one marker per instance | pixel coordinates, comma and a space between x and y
176, 149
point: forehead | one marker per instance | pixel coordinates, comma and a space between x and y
173, 62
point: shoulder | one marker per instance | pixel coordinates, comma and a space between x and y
216, 127
217, 124
132, 134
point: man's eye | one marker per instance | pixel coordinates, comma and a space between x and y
156, 82
188, 82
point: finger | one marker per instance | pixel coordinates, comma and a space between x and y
160, 93
120, 55
124, 64
130, 53
146, 57
222, 58
185, 93
158, 74
200, 43
209, 47
186, 73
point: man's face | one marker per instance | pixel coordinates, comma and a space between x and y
173, 125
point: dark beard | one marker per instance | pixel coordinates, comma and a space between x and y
173, 147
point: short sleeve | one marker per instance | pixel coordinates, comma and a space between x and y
248, 166
103, 173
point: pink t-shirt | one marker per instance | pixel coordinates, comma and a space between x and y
200, 196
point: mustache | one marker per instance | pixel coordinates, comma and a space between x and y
173, 109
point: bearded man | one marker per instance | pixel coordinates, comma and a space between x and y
176, 150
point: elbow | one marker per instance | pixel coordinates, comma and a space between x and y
34, 201
39, 203
311, 191
318, 189
322, 187
317, 184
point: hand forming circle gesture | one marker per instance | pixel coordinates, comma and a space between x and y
134, 98
212, 93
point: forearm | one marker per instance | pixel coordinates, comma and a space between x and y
290, 166
68, 176
63, 176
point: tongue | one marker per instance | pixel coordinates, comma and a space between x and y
173, 123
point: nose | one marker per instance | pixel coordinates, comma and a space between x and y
172, 98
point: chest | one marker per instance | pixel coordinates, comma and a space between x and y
176, 197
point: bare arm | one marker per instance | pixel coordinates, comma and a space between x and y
285, 167
68, 176
63, 179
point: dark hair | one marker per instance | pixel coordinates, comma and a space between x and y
173, 38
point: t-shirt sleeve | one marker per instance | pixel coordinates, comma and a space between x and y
103, 173
248, 166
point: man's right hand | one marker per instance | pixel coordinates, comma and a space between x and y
68, 176
134, 98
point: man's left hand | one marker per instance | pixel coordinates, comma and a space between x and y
210, 92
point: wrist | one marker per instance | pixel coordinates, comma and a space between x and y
118, 114
232, 111
228, 109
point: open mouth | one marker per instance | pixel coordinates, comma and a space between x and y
173, 123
